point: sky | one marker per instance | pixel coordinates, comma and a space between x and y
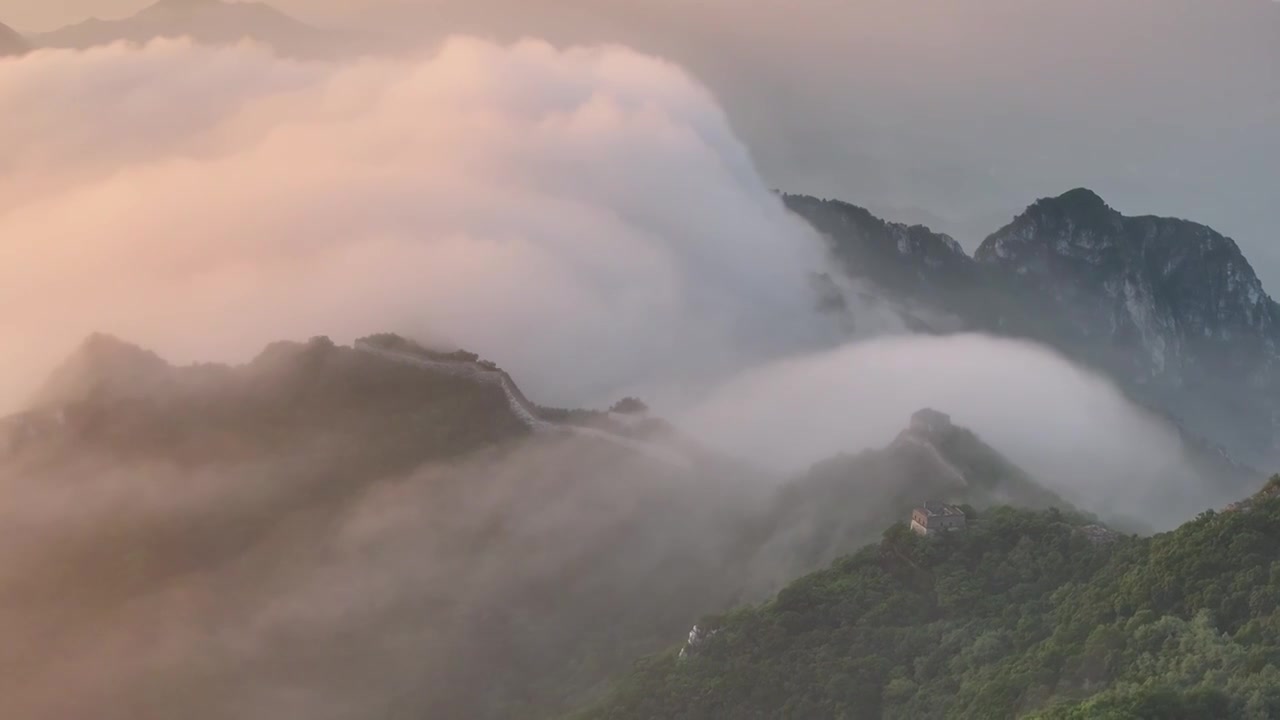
959, 114
956, 115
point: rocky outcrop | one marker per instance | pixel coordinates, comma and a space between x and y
1170, 309
698, 636
909, 261
1173, 295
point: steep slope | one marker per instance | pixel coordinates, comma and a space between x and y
841, 503
1170, 309
911, 261
11, 43
211, 22
1023, 612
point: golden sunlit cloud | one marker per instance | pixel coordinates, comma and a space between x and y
204, 202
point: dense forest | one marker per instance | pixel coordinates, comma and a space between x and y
1024, 614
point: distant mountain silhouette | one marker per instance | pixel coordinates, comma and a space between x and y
11, 42
208, 22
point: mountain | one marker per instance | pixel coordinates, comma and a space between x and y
841, 503
11, 42
115, 398
911, 261
395, 530
268, 485
1168, 308
210, 22
1021, 614
423, 533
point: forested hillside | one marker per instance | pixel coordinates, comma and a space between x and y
1025, 614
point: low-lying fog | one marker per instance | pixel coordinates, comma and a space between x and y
1070, 428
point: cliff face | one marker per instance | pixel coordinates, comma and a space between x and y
1170, 309
909, 260
1178, 295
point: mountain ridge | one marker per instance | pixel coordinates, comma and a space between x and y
1168, 308
305, 435
211, 22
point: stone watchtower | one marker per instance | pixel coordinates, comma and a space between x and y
936, 517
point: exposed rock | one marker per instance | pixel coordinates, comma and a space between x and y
1098, 534
697, 638
1168, 308
910, 261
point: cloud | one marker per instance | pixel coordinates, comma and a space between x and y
1071, 429
283, 588
584, 216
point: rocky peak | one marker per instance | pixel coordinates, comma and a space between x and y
896, 256
1168, 307
1176, 277
1160, 285
1079, 204
1077, 226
